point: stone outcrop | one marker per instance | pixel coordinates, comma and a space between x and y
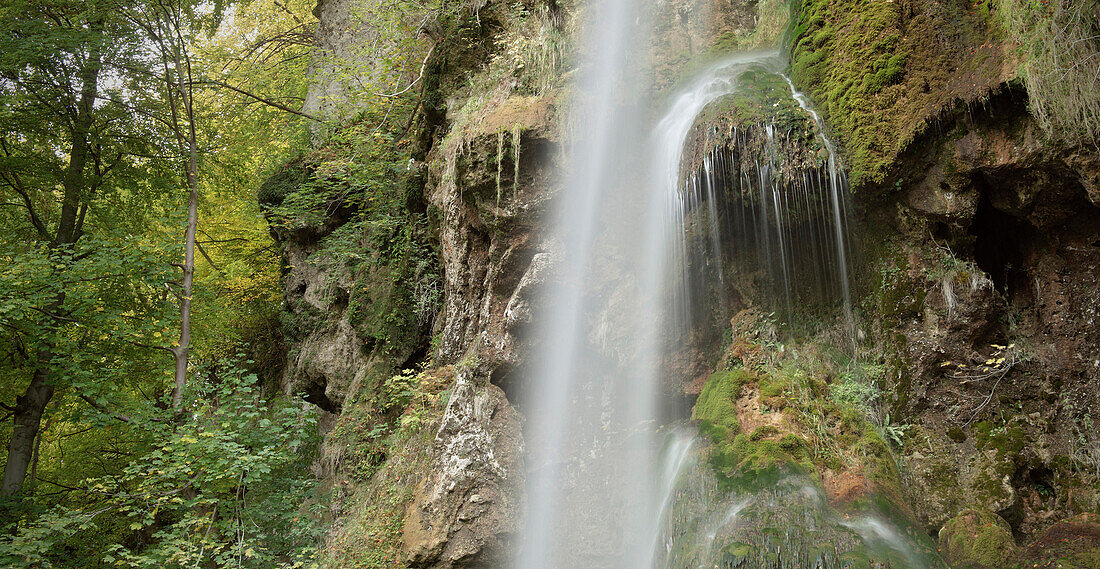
466, 510
489, 181
1001, 253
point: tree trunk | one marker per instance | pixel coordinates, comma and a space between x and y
181, 351
28, 418
183, 84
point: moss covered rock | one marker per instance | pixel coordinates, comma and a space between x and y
883, 72
759, 122
716, 408
977, 539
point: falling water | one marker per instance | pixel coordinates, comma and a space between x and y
599, 483
591, 399
753, 191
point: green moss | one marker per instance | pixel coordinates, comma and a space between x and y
741, 459
977, 540
763, 432
370, 535
815, 430
716, 408
298, 318
1007, 439
771, 387
762, 97
384, 442
956, 434
1089, 559
853, 58
745, 462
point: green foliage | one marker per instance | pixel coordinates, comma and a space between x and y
112, 306
532, 48
91, 176
356, 197
393, 429
817, 410
1007, 439
226, 486
397, 406
857, 387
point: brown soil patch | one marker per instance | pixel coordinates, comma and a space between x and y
524, 113
751, 414
844, 487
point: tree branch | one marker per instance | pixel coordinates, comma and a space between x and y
423, 66
263, 100
207, 257
101, 409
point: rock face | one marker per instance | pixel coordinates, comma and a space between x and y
467, 507
980, 234
977, 540
360, 48
479, 174
1008, 262
490, 181
976, 299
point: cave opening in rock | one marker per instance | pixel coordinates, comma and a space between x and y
1000, 245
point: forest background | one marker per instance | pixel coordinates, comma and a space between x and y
133, 138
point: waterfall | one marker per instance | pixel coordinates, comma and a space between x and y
751, 193
590, 395
601, 467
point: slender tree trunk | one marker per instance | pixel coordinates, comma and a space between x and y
32, 476
183, 84
181, 352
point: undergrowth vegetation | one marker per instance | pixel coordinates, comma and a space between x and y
383, 442
230, 487
356, 197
